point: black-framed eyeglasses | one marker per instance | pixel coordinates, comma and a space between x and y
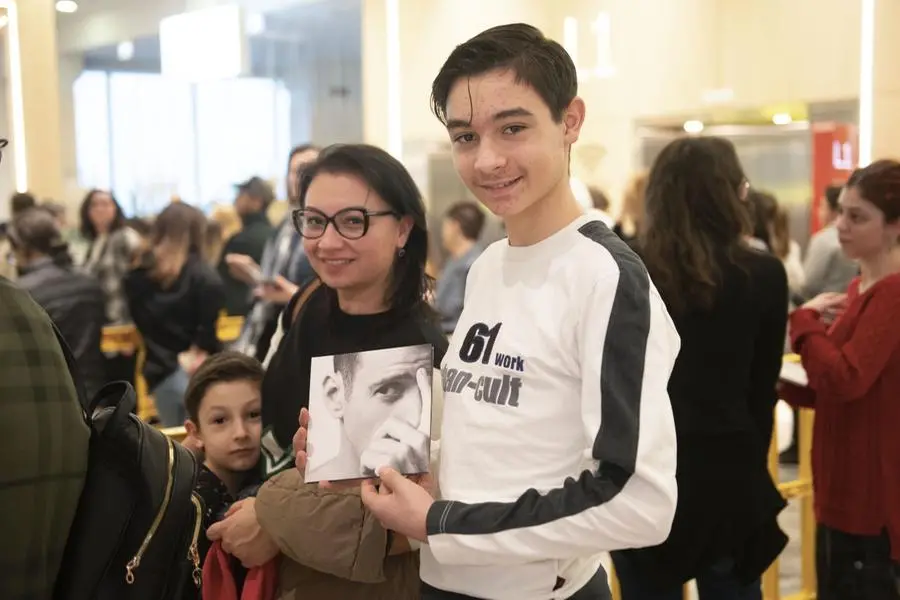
351, 223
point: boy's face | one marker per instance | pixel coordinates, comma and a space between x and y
507, 148
230, 425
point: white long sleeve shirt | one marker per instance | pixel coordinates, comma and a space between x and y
558, 439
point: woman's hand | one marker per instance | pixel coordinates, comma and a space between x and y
277, 291
828, 302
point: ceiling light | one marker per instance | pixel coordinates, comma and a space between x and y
66, 6
125, 51
782, 118
693, 126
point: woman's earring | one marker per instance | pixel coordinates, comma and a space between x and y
401, 252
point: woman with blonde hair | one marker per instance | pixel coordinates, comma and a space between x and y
175, 298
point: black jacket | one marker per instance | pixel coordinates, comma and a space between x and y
173, 319
77, 305
723, 398
251, 240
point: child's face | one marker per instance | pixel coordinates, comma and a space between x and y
230, 425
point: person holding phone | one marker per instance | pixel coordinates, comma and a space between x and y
284, 267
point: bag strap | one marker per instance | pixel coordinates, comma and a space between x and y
75, 373
303, 296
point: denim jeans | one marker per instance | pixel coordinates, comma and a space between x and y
715, 582
168, 395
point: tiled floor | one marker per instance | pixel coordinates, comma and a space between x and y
789, 563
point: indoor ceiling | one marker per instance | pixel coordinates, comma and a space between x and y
328, 26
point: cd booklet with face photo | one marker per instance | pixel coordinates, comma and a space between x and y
370, 410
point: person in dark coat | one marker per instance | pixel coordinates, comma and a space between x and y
252, 202
729, 303
74, 300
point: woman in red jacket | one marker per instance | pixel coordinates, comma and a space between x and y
853, 367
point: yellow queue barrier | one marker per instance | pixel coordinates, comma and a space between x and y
800, 488
125, 339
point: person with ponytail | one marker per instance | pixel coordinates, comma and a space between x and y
74, 300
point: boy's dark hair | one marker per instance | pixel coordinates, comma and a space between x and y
469, 217
224, 367
536, 60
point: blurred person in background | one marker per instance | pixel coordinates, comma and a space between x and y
827, 268
771, 227
460, 232
214, 242
251, 204
600, 206
228, 219
175, 298
18, 203
43, 447
140, 226
59, 213
631, 216
849, 345
283, 269
110, 246
721, 294
73, 300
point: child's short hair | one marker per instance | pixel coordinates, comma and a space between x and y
223, 367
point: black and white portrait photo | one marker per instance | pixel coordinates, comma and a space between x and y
370, 410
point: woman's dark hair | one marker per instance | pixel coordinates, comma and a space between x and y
388, 178
87, 227
177, 232
35, 231
695, 220
833, 196
879, 183
763, 210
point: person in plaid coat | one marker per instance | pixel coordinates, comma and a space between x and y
43, 449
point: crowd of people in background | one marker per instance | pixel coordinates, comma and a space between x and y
699, 279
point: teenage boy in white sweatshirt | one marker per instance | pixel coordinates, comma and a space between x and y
558, 441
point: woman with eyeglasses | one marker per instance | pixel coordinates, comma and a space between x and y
363, 226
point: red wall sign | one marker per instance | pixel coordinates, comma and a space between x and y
834, 157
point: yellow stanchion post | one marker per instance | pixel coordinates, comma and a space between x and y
771, 578
126, 339
176, 433
808, 516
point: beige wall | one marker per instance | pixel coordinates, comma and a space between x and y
40, 93
802, 50
666, 56
886, 81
